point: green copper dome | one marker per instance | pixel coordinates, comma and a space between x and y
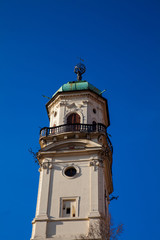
78, 86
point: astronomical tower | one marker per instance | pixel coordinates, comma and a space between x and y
75, 161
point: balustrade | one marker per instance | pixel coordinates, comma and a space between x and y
75, 127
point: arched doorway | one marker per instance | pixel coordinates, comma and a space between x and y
73, 118
73, 122
94, 126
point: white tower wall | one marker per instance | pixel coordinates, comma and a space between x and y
68, 204
84, 104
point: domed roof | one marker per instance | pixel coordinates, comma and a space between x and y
77, 86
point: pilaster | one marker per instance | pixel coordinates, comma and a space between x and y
40, 221
94, 211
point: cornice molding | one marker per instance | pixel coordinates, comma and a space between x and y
62, 96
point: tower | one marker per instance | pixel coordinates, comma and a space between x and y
75, 162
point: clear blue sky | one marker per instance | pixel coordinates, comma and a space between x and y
39, 45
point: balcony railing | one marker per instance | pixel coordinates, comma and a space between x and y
75, 127
109, 144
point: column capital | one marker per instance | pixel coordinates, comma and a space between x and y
96, 163
47, 165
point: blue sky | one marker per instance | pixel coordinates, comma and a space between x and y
40, 42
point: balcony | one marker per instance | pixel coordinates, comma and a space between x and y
76, 127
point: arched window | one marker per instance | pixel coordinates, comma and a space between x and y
53, 130
94, 125
73, 118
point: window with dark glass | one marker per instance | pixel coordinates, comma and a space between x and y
70, 172
68, 210
94, 110
94, 125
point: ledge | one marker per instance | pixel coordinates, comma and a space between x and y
51, 219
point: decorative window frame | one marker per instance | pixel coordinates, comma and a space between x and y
71, 166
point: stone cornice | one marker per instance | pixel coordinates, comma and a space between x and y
70, 95
73, 152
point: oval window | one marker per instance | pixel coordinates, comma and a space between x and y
94, 110
70, 172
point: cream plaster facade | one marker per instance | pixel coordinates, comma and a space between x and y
66, 205
82, 103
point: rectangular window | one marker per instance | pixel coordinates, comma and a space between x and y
68, 208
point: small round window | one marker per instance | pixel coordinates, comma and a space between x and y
70, 171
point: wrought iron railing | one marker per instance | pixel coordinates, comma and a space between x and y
75, 127
110, 144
